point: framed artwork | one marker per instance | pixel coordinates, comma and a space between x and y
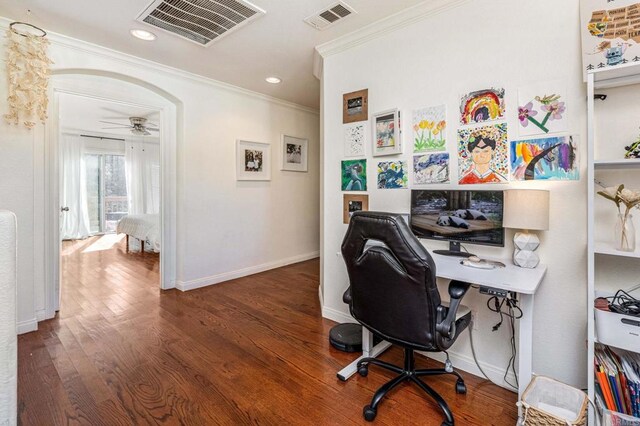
355, 106
354, 175
352, 203
542, 108
294, 154
387, 133
354, 140
481, 106
483, 155
554, 158
431, 168
610, 33
253, 160
393, 175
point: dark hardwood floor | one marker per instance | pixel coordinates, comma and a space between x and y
249, 351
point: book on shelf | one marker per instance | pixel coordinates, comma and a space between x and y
617, 374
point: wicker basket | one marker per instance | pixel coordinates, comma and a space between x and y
544, 400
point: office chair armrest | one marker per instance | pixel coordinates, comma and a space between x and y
346, 297
446, 316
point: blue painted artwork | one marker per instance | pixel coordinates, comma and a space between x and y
392, 175
545, 159
431, 168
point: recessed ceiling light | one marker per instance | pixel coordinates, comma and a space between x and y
273, 80
143, 35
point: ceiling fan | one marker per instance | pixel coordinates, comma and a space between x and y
139, 126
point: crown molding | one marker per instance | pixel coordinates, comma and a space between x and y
388, 25
85, 47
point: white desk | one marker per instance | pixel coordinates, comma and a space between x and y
523, 281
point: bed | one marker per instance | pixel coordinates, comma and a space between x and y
143, 227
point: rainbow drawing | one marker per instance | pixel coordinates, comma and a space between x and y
481, 106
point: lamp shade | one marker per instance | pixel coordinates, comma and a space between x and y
526, 209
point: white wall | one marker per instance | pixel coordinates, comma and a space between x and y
500, 43
225, 228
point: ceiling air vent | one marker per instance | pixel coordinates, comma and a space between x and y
327, 17
200, 21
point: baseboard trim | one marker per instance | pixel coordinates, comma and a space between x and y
217, 279
336, 315
467, 364
41, 315
27, 326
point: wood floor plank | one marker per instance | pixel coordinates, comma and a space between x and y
249, 351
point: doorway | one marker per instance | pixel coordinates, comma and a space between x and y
107, 201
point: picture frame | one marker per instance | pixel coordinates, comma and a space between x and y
386, 133
352, 203
355, 106
295, 153
253, 160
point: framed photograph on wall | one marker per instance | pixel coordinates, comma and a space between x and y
294, 154
387, 133
253, 160
355, 106
353, 203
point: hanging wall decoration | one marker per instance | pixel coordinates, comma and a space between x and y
483, 155
610, 33
554, 158
27, 73
482, 105
542, 108
429, 129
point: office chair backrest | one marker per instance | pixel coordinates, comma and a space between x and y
393, 284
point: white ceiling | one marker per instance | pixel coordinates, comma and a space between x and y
279, 43
79, 113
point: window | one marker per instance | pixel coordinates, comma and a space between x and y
106, 191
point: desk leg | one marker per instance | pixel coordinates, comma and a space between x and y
368, 350
525, 344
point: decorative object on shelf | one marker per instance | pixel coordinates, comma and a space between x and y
295, 152
387, 133
352, 203
393, 175
625, 233
481, 106
609, 35
27, 74
431, 168
633, 150
553, 158
429, 129
354, 140
355, 106
253, 160
526, 209
354, 175
482, 154
542, 108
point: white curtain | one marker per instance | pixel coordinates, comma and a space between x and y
75, 222
142, 167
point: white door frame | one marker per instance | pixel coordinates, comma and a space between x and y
169, 120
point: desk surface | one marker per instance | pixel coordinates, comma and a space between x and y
511, 277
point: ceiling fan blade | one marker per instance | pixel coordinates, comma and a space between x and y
153, 130
152, 125
117, 124
119, 127
146, 133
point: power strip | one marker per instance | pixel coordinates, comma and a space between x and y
490, 291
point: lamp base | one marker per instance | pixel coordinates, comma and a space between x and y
524, 254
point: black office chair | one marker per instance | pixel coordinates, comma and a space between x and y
393, 293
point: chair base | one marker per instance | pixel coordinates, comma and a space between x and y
408, 373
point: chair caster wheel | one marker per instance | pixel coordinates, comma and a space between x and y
363, 370
461, 388
369, 413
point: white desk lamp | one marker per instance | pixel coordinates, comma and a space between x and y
526, 209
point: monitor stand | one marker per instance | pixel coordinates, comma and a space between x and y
454, 250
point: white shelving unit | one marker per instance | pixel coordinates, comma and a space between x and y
606, 164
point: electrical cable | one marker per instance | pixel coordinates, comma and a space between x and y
475, 358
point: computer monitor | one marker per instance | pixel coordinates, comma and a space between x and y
458, 216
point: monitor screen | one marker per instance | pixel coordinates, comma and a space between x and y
455, 215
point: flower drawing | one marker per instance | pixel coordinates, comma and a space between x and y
429, 135
549, 104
